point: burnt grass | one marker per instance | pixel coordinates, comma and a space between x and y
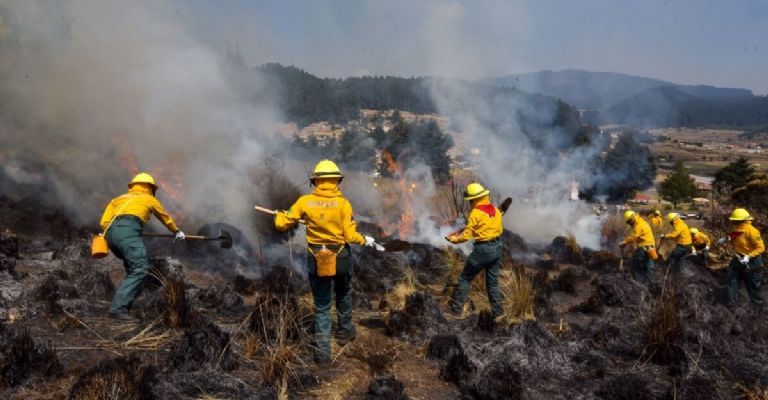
597, 334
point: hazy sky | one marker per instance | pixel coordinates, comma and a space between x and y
722, 43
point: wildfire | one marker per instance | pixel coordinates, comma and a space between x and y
404, 195
169, 177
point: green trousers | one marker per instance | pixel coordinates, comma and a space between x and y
676, 257
322, 294
484, 257
124, 239
642, 267
751, 274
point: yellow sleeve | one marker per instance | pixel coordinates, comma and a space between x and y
757, 242
350, 226
707, 241
675, 233
633, 235
469, 232
109, 213
285, 220
159, 211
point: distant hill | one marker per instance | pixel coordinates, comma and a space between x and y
600, 90
670, 106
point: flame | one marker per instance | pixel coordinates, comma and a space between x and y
169, 177
124, 152
170, 181
404, 196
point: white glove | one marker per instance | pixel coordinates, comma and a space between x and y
693, 251
744, 259
662, 236
721, 241
179, 236
369, 241
706, 248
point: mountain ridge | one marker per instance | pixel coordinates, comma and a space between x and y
599, 90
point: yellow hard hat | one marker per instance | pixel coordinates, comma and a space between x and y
740, 214
628, 215
475, 190
672, 216
657, 212
143, 177
326, 169
694, 231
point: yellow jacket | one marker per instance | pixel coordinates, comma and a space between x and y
328, 216
681, 234
746, 239
484, 223
138, 202
656, 222
701, 240
641, 234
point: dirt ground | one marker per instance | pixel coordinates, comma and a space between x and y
207, 332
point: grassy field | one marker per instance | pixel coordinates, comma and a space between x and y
704, 151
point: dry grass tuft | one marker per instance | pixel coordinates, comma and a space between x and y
753, 393
177, 310
613, 230
407, 285
662, 329
276, 341
118, 379
454, 265
518, 291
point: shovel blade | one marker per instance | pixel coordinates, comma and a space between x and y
225, 240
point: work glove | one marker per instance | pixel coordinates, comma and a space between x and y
693, 251
744, 259
721, 241
179, 236
369, 241
706, 248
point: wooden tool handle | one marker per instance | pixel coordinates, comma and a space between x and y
171, 235
273, 212
265, 210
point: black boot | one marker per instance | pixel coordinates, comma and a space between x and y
122, 315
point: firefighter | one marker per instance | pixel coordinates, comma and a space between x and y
656, 221
484, 227
123, 221
681, 234
642, 237
701, 245
331, 228
747, 264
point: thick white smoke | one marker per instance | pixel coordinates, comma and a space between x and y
95, 85
538, 181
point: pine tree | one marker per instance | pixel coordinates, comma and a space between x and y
679, 186
734, 175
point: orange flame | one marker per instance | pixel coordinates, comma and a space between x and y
404, 195
124, 152
169, 178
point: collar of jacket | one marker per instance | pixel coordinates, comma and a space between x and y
486, 207
742, 226
327, 189
140, 189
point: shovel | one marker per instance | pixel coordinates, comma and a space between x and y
376, 246
224, 237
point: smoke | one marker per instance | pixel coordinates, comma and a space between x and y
95, 89
537, 169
